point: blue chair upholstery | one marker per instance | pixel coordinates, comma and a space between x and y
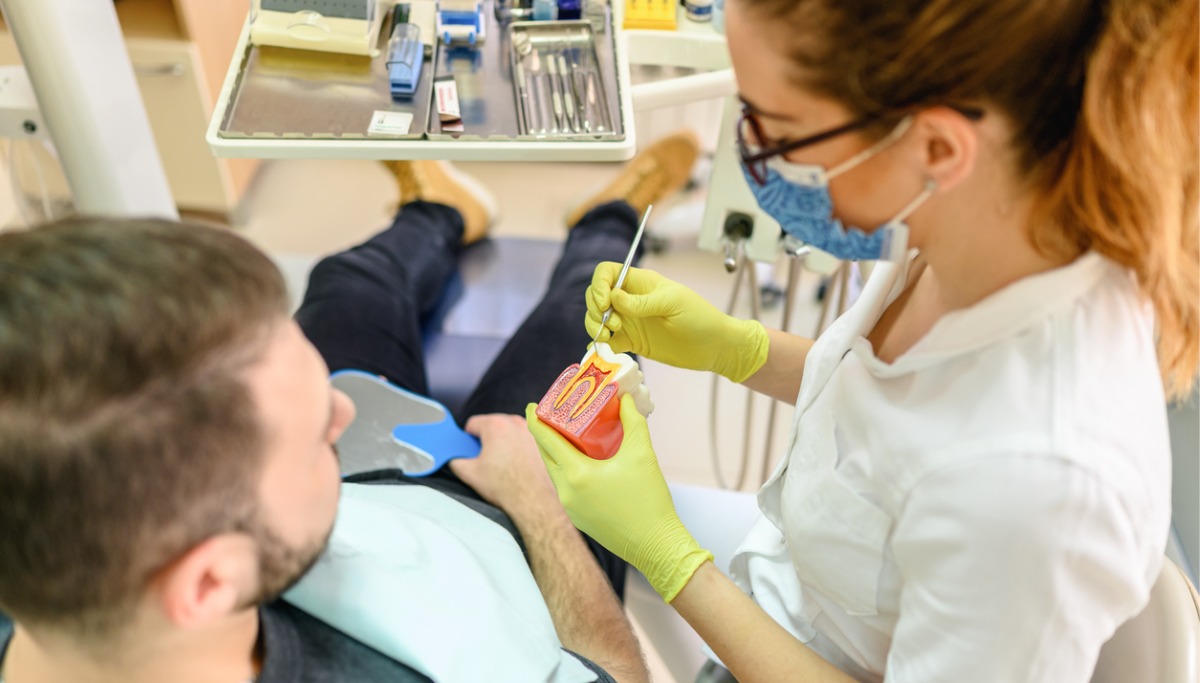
499, 281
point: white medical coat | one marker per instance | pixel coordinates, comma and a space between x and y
990, 506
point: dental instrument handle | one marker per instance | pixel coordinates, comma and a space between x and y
523, 96
585, 123
577, 93
569, 107
519, 77
637, 239
564, 77
552, 69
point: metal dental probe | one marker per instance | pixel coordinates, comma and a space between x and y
591, 98
564, 78
552, 71
583, 123
597, 97
637, 239
523, 99
539, 96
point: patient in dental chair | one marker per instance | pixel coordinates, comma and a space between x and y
168, 467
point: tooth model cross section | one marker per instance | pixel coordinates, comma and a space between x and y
584, 403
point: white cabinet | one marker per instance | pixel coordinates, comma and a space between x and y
180, 50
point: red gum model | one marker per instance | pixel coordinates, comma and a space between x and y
584, 406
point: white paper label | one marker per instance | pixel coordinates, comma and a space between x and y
390, 123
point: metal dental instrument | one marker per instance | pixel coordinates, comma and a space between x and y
540, 99
637, 239
564, 77
582, 123
591, 99
522, 47
596, 96
581, 101
523, 100
552, 70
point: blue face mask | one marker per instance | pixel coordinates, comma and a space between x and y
797, 196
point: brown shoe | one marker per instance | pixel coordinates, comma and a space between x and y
439, 182
656, 172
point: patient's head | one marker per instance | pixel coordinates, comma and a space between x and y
166, 431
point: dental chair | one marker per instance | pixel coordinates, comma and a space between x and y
496, 286
1162, 644
499, 281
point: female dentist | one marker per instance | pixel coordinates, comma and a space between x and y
977, 485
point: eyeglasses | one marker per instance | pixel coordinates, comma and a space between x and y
755, 157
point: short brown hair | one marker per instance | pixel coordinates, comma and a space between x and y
127, 434
1101, 96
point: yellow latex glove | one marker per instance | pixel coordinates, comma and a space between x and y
661, 319
623, 502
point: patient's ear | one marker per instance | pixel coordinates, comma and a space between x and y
207, 582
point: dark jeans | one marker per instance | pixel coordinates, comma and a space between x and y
363, 309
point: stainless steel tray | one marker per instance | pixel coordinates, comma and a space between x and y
286, 93
487, 80
279, 102
559, 83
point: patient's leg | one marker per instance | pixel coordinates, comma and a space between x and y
363, 306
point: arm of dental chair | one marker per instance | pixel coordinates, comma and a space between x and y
683, 90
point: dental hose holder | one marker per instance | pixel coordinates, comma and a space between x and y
794, 248
737, 230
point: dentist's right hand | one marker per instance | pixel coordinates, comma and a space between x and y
661, 319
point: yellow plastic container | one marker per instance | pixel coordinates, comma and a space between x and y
345, 26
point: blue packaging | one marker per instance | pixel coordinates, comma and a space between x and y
699, 10
570, 9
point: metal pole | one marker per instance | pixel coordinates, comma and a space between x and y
75, 56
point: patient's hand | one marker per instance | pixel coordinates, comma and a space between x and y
509, 472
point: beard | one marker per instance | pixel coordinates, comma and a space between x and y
280, 565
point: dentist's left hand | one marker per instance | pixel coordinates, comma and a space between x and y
623, 502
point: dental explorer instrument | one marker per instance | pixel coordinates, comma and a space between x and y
522, 100
637, 239
522, 48
597, 95
542, 99
581, 115
564, 77
556, 96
